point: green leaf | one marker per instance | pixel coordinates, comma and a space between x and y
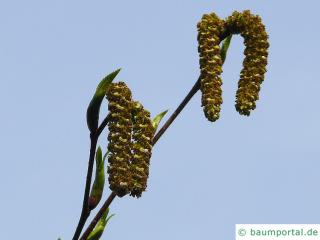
96, 233
225, 47
99, 156
105, 156
157, 119
98, 184
107, 220
100, 227
93, 109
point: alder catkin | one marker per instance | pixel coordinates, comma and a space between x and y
209, 29
142, 136
256, 43
119, 146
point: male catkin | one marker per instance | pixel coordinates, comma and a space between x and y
142, 136
120, 126
209, 29
256, 52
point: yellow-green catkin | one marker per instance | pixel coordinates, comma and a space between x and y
120, 128
256, 43
209, 30
142, 135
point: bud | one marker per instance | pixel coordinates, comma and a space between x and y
256, 43
100, 227
209, 29
120, 127
98, 184
93, 109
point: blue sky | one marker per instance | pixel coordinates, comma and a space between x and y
204, 177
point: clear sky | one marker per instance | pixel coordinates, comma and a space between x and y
204, 177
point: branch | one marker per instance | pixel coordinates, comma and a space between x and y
112, 196
164, 128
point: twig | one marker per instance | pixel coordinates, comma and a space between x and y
102, 126
185, 101
85, 212
98, 216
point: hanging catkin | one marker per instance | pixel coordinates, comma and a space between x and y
209, 29
130, 142
256, 43
142, 135
120, 127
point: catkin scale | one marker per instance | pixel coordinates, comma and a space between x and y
256, 53
120, 125
209, 29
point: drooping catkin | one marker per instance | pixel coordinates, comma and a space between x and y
209, 29
256, 43
142, 136
119, 146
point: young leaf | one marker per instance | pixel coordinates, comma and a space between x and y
93, 109
99, 156
98, 184
224, 48
157, 119
98, 230
107, 220
105, 156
